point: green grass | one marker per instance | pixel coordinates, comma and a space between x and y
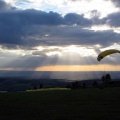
82, 104
48, 89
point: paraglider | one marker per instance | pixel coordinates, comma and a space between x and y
107, 52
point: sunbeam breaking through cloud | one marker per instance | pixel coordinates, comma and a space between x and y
58, 35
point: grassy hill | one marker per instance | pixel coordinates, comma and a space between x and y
61, 104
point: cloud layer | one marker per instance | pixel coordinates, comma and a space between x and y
30, 28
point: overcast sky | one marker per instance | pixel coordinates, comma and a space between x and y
44, 34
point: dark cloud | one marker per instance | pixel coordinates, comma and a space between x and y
31, 16
77, 36
15, 25
113, 19
72, 18
5, 7
29, 28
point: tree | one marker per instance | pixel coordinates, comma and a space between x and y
95, 84
41, 86
75, 85
103, 78
108, 78
35, 87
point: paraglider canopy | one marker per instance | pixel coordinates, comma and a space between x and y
106, 52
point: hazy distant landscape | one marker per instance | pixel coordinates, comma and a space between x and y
12, 81
60, 75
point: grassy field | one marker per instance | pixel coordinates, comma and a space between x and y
66, 104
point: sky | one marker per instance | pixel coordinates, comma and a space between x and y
64, 35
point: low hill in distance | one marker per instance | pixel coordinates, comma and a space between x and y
13, 84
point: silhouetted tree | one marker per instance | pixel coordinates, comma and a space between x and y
75, 85
108, 78
35, 87
41, 86
68, 86
103, 78
84, 85
95, 84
